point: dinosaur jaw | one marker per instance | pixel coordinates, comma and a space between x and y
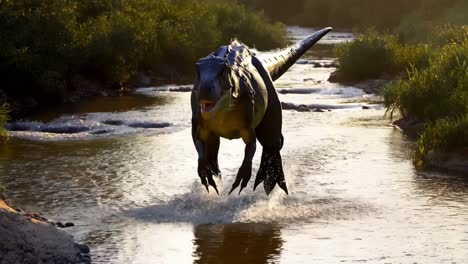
207, 106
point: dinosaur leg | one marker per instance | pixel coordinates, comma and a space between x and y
269, 135
245, 171
208, 161
270, 171
212, 155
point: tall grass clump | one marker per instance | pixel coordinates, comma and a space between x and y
437, 95
370, 55
3, 119
441, 136
438, 91
378, 55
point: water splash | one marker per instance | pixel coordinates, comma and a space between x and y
199, 207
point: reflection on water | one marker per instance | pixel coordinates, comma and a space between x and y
237, 243
135, 197
118, 103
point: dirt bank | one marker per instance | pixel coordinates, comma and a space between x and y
30, 238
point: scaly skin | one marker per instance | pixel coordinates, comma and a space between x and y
234, 97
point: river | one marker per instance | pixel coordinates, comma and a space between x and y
124, 171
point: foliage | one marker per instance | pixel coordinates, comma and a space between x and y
424, 24
375, 55
2, 191
438, 91
442, 136
3, 119
437, 95
46, 43
364, 13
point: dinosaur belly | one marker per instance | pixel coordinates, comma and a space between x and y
226, 119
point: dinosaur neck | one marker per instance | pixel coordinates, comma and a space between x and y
277, 63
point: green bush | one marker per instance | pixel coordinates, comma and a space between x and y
3, 119
36, 44
46, 43
376, 55
370, 55
443, 135
439, 91
362, 13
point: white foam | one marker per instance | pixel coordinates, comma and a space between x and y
199, 207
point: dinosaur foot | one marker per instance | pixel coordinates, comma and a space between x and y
243, 176
271, 172
206, 171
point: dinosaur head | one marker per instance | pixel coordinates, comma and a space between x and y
214, 82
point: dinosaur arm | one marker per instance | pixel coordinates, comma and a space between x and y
200, 147
250, 140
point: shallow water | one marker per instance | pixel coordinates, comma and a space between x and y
133, 192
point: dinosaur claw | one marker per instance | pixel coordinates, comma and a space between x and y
203, 181
255, 185
213, 184
271, 173
233, 188
282, 185
243, 175
206, 172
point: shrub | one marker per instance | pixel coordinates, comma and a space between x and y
45, 43
370, 55
443, 135
3, 119
439, 91
376, 55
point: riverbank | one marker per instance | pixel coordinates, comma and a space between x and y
71, 49
452, 160
31, 238
424, 83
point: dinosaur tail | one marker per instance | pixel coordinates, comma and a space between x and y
277, 63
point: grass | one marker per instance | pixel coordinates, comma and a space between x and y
430, 73
411, 15
437, 95
437, 91
4, 109
443, 135
46, 44
378, 55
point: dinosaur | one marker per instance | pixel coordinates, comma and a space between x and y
234, 97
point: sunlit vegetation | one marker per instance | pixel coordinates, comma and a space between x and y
437, 91
46, 44
442, 136
427, 57
378, 55
3, 119
412, 16
437, 95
